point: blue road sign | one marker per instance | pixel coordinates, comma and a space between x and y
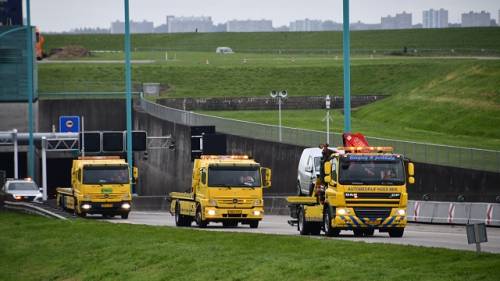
69, 124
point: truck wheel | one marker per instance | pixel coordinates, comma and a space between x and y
396, 232
369, 232
124, 216
181, 220
299, 191
302, 225
254, 224
315, 228
199, 220
327, 226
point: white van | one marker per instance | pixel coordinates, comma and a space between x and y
309, 168
224, 50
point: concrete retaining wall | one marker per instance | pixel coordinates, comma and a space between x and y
264, 103
100, 114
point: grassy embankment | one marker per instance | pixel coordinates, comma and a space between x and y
447, 101
35, 248
444, 39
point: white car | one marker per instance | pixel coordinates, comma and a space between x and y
21, 190
224, 50
308, 170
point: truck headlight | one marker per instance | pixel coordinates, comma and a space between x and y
86, 206
126, 206
342, 211
256, 213
401, 212
211, 212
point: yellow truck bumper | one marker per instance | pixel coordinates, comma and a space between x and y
219, 214
351, 221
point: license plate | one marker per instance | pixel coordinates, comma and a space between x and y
234, 211
106, 205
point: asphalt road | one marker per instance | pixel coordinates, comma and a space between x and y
427, 235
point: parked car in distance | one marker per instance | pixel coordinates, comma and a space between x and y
308, 170
224, 50
20, 190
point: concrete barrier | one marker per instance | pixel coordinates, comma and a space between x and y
477, 212
460, 213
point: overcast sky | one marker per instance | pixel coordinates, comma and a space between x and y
61, 15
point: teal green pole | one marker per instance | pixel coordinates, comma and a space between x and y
128, 90
347, 70
29, 64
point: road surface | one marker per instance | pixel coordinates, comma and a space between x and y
443, 236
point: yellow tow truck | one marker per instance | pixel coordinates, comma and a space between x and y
99, 185
225, 188
359, 189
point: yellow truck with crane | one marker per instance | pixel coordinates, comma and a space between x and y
359, 188
225, 188
99, 185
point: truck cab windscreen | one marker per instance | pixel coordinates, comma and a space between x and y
105, 174
227, 176
371, 169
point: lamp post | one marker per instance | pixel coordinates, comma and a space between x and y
29, 63
279, 95
128, 90
347, 68
327, 117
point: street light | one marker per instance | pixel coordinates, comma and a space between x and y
327, 117
279, 95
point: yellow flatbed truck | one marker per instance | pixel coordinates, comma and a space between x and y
99, 185
360, 189
225, 189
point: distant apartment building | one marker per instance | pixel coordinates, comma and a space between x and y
473, 19
400, 21
329, 25
435, 18
118, 27
306, 25
364, 26
189, 24
249, 25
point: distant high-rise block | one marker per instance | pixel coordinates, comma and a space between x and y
435, 18
400, 21
473, 19
249, 25
189, 24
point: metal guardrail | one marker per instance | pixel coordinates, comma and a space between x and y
32, 208
462, 157
84, 95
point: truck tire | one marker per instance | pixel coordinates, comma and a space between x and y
181, 220
327, 226
299, 191
396, 232
199, 218
315, 228
358, 232
124, 216
302, 225
254, 224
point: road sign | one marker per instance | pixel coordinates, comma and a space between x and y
69, 124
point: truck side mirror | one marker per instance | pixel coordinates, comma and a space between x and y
328, 179
411, 180
309, 169
266, 177
328, 168
411, 169
135, 173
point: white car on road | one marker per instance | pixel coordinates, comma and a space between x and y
20, 190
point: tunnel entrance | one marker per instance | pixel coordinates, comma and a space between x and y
7, 164
58, 174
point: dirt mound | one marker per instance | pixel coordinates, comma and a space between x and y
69, 52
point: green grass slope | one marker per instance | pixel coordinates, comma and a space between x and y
452, 38
35, 248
